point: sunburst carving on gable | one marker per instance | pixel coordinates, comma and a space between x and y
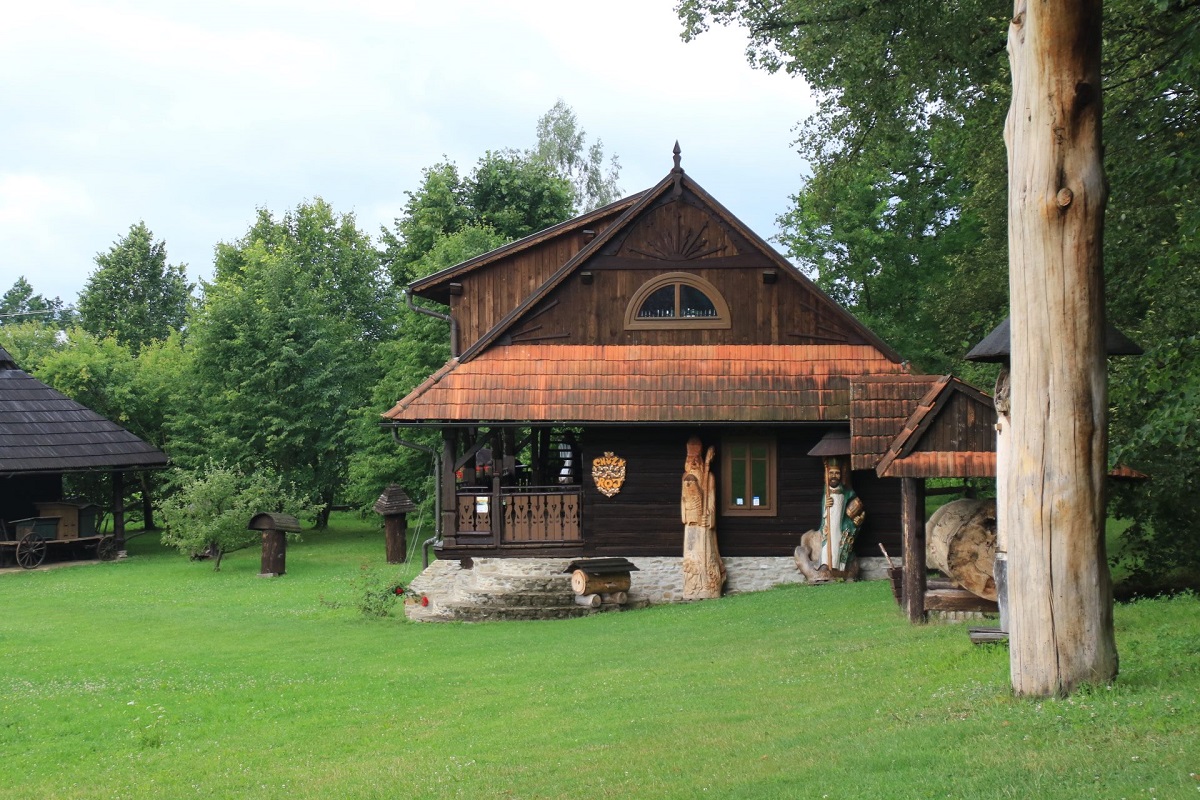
678, 243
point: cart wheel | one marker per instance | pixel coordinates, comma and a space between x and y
31, 551
106, 548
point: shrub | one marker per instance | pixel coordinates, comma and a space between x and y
208, 512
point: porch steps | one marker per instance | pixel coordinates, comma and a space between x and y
467, 595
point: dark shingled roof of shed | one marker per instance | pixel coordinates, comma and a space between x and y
42, 430
996, 345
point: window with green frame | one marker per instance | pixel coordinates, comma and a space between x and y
748, 485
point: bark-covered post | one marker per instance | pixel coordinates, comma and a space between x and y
394, 505
275, 528
1060, 591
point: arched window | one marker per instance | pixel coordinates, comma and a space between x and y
677, 300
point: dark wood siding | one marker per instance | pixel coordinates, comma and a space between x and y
494, 290
644, 518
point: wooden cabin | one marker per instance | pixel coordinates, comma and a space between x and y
586, 355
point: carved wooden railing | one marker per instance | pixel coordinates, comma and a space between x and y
526, 514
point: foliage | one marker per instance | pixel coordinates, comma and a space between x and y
421, 347
29, 342
20, 305
148, 677
904, 217
134, 295
562, 144
209, 510
376, 594
283, 345
516, 195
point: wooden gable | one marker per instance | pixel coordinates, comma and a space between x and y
676, 228
481, 290
950, 434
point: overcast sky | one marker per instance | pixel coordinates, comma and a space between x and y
190, 115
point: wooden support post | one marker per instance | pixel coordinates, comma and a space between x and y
449, 521
118, 510
912, 497
1060, 604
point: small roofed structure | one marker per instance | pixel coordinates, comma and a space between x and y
995, 347
951, 434
394, 505
45, 434
834, 443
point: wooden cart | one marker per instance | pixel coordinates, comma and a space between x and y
64, 524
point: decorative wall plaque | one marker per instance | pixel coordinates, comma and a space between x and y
608, 471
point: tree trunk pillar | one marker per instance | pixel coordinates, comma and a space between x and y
912, 498
274, 553
395, 531
1059, 589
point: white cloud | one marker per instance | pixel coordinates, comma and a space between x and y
190, 115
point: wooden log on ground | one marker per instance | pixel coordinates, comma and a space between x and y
588, 600
582, 583
614, 598
958, 600
961, 542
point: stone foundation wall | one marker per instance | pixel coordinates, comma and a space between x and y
657, 580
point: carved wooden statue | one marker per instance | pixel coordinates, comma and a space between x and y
828, 552
703, 571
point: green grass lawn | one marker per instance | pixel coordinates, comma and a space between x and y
155, 677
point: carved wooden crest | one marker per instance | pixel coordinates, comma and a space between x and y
608, 471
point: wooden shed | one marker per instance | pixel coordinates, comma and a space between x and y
45, 435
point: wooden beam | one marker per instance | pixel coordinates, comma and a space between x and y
912, 500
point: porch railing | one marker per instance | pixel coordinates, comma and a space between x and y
521, 515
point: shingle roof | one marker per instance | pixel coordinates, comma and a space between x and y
42, 430
879, 406
646, 383
962, 433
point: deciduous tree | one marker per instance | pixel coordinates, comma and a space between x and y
134, 295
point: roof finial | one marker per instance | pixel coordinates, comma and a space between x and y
677, 151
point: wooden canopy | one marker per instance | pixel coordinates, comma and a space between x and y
43, 431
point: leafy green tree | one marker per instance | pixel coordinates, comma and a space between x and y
208, 512
283, 348
20, 304
134, 295
562, 144
516, 195
29, 343
421, 346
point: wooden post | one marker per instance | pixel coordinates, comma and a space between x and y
912, 498
449, 521
118, 511
1059, 588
